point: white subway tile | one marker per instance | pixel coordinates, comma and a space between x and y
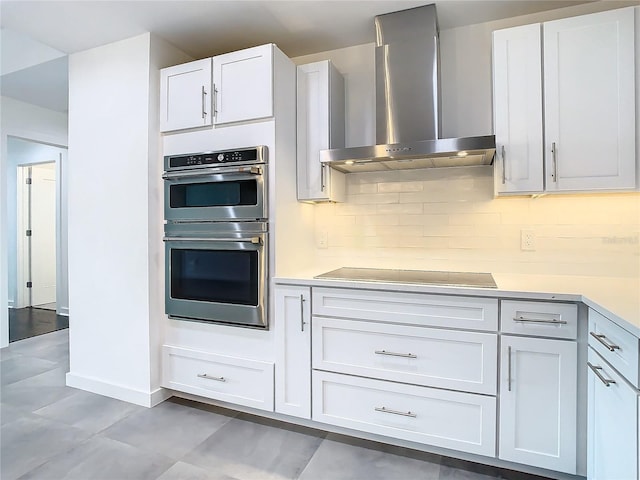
399, 209
400, 187
378, 220
374, 198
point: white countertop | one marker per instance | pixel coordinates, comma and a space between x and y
616, 298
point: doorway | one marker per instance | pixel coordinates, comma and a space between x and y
37, 235
36, 238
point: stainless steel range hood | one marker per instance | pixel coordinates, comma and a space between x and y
408, 104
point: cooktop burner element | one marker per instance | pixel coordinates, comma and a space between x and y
425, 277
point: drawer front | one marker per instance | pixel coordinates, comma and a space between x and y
460, 421
473, 313
434, 357
230, 379
540, 319
615, 345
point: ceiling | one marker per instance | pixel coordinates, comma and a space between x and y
210, 27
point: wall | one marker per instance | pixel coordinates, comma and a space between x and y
113, 191
447, 219
23, 120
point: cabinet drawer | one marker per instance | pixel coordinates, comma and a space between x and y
230, 379
424, 356
460, 421
472, 313
540, 319
615, 345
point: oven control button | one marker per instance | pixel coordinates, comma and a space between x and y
221, 157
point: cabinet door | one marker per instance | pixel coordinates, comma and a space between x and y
243, 85
612, 438
589, 75
185, 96
320, 114
517, 109
293, 342
538, 398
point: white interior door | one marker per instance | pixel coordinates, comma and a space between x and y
43, 234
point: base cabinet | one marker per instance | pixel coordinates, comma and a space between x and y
408, 412
538, 395
230, 379
293, 350
613, 424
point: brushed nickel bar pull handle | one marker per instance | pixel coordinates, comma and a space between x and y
554, 153
395, 412
204, 94
254, 240
302, 322
509, 369
596, 370
610, 346
394, 354
539, 320
208, 172
322, 167
215, 101
207, 377
504, 166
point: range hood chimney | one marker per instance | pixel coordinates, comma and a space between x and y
408, 104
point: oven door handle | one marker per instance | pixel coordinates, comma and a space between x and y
254, 240
207, 173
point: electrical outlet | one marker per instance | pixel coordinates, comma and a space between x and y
527, 240
322, 239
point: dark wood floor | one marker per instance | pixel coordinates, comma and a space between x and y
29, 322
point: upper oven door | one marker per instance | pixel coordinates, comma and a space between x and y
218, 278
216, 194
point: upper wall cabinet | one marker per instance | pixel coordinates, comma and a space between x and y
589, 85
517, 107
589, 100
185, 96
241, 90
320, 117
243, 85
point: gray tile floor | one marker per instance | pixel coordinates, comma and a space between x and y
53, 432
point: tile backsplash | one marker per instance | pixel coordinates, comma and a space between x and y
448, 219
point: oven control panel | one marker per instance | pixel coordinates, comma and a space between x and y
245, 155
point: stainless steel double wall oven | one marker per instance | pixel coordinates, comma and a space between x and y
216, 236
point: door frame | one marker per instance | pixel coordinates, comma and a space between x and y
23, 252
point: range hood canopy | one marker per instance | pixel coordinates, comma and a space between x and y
408, 104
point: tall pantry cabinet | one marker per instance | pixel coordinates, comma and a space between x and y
577, 130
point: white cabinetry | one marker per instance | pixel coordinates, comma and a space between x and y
432, 416
589, 82
234, 87
517, 109
185, 96
230, 379
243, 85
589, 105
612, 424
320, 117
293, 350
538, 394
613, 401
399, 364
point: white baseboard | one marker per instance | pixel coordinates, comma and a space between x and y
120, 392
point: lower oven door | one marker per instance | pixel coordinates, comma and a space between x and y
217, 273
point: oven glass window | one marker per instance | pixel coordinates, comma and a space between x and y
214, 194
223, 276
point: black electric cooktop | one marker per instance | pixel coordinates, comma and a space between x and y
422, 277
